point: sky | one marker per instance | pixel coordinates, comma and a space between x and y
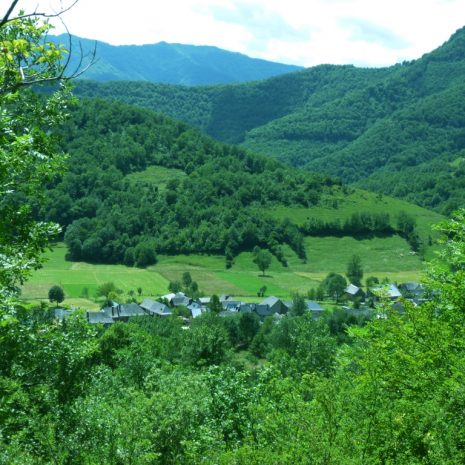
368, 33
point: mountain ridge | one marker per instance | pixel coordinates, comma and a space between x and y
171, 63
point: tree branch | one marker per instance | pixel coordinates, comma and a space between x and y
8, 13
36, 76
6, 19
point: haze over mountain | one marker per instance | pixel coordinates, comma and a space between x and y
398, 130
172, 63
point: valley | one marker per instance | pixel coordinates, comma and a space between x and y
383, 257
239, 263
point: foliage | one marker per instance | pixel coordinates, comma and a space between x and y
262, 258
186, 279
106, 289
207, 342
340, 389
334, 285
337, 390
114, 213
355, 270
56, 294
371, 281
29, 156
298, 305
215, 304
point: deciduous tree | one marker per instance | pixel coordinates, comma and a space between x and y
263, 259
56, 294
29, 157
355, 270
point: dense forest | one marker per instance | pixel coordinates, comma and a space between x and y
395, 130
138, 183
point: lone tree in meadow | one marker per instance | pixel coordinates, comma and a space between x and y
186, 279
262, 258
56, 294
355, 270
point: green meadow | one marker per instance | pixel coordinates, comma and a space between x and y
341, 206
382, 257
159, 176
76, 277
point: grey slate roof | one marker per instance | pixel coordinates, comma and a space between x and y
60, 313
389, 290
411, 286
394, 292
180, 299
313, 306
153, 307
231, 305
263, 310
129, 310
353, 290
195, 309
246, 308
271, 300
412, 290
101, 317
120, 312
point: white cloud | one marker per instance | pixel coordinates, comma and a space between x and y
363, 32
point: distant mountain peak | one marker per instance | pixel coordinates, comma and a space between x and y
169, 63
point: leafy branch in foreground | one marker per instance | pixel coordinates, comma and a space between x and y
29, 157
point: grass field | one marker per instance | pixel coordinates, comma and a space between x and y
382, 257
362, 201
156, 175
76, 277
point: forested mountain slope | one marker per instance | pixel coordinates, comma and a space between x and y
139, 183
229, 112
172, 63
387, 129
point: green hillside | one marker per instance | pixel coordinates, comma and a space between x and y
397, 130
170, 63
385, 256
230, 112
140, 185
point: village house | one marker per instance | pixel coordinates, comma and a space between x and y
354, 292
103, 317
389, 291
275, 305
314, 308
231, 305
152, 307
412, 290
196, 309
60, 314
